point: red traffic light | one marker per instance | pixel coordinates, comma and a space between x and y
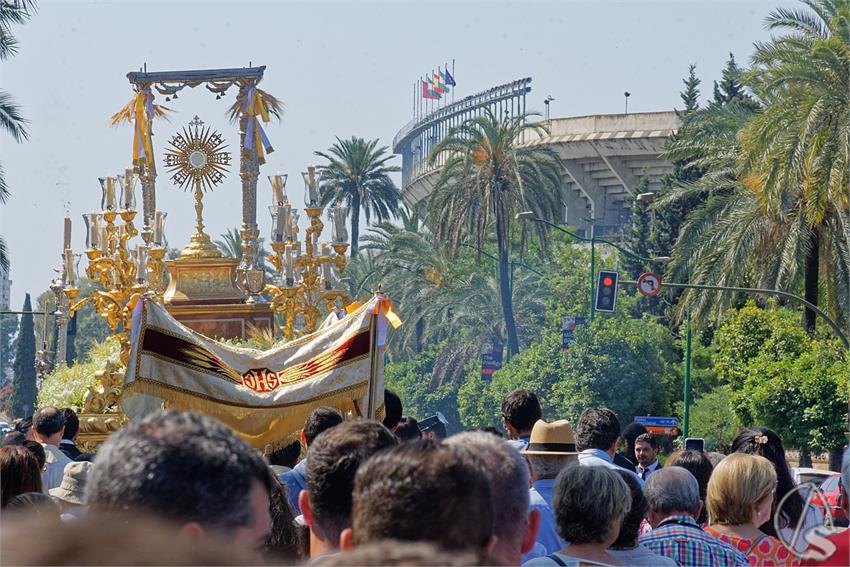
607, 281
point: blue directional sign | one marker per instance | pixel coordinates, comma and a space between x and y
648, 421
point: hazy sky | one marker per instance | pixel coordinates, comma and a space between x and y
341, 69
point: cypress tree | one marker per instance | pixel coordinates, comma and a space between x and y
730, 88
22, 402
690, 96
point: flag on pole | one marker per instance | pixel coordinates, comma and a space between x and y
429, 88
450, 81
427, 92
264, 396
438, 87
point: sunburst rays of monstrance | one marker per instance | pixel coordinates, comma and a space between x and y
196, 159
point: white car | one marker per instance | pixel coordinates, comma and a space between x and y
802, 475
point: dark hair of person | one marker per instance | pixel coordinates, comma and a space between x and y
334, 459
182, 466
392, 409
632, 431
391, 553
286, 456
13, 438
283, 545
35, 502
647, 438
19, 473
37, 450
766, 443
320, 419
521, 409
698, 464
630, 528
423, 491
48, 421
23, 424
72, 424
408, 429
597, 428
494, 431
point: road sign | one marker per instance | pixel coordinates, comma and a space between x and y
649, 284
647, 420
606, 290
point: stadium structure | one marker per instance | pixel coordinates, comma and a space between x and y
604, 156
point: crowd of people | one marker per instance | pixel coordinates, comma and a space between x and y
181, 488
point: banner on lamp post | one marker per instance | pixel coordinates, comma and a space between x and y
491, 359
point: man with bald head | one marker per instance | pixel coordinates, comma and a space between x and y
672, 495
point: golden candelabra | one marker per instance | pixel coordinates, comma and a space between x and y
124, 275
305, 279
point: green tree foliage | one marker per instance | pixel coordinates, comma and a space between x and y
713, 418
12, 121
690, 96
796, 150
781, 378
22, 402
485, 179
731, 89
625, 364
357, 174
411, 380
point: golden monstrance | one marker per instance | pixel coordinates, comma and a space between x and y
196, 159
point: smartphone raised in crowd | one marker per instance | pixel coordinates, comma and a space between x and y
695, 444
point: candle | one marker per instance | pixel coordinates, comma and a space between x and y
67, 241
278, 182
92, 221
70, 272
142, 263
311, 185
104, 240
107, 185
159, 228
285, 212
287, 263
128, 186
340, 234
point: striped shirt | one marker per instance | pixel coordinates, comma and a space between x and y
681, 539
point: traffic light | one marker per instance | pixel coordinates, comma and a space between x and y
606, 290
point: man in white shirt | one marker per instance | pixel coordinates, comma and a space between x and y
646, 453
48, 425
597, 433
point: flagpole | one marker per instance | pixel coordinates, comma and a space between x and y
453, 77
372, 406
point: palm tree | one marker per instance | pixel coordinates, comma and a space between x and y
730, 238
11, 120
487, 176
357, 174
797, 150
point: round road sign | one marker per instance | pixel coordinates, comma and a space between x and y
649, 284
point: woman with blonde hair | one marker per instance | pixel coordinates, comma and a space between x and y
740, 497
